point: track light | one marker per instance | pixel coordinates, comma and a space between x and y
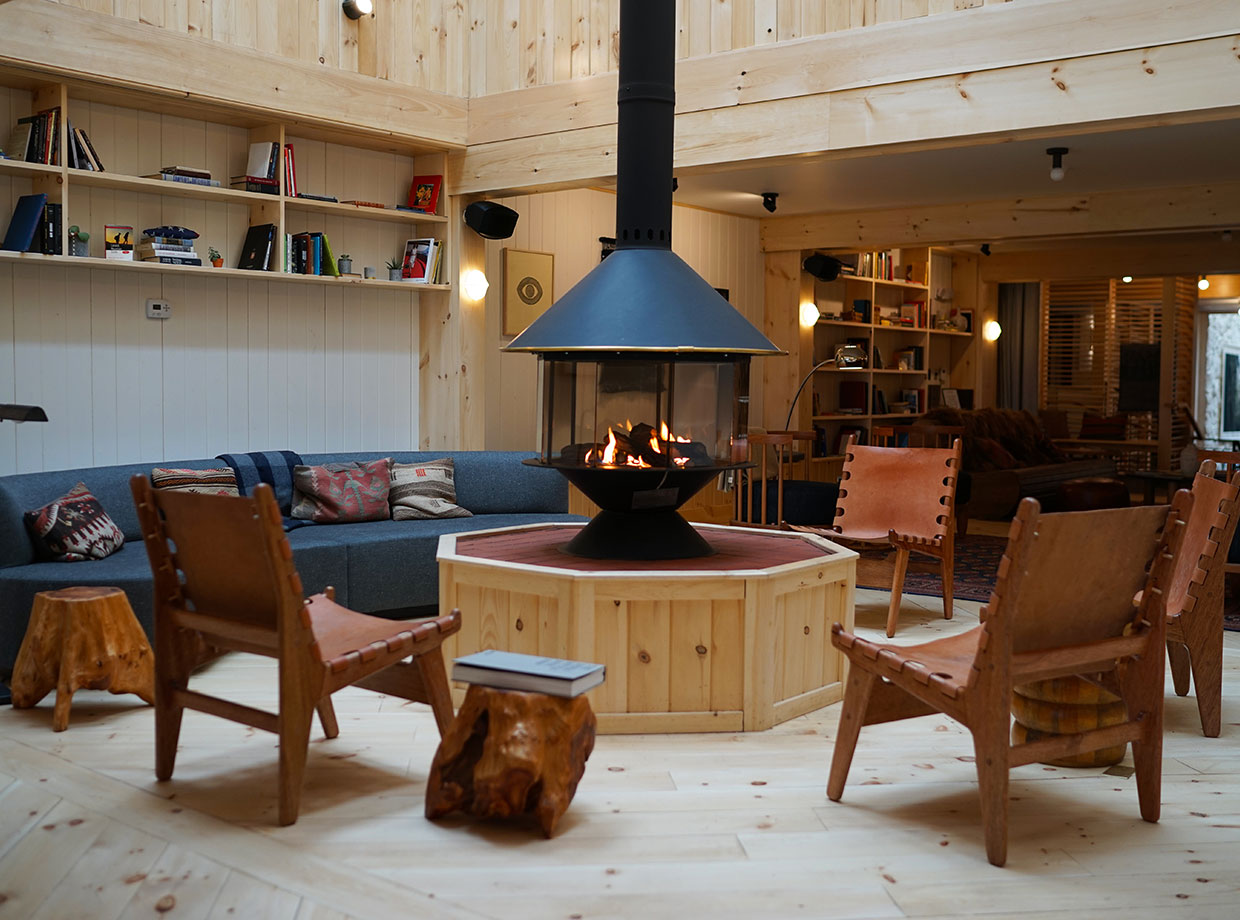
356, 9
1056, 154
985, 250
768, 200
1127, 279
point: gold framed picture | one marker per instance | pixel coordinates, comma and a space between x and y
528, 287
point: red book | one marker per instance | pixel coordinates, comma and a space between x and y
290, 172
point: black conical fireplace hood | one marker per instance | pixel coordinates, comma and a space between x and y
644, 297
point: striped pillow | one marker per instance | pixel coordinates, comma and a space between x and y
424, 490
204, 482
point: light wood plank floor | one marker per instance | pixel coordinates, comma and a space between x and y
675, 826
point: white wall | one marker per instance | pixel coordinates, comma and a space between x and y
722, 248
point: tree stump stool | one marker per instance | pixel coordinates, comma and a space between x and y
1065, 706
510, 753
82, 637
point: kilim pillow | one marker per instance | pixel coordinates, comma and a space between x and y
425, 490
342, 493
74, 528
204, 482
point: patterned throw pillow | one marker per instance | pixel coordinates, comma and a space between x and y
204, 482
425, 490
74, 528
342, 493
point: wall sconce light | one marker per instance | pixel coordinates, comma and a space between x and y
809, 314
768, 200
1203, 283
474, 284
991, 330
1056, 154
356, 9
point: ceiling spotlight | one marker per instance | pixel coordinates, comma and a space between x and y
356, 9
985, 249
1127, 279
768, 200
1203, 283
1226, 236
1056, 154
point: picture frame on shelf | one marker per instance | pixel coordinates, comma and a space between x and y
529, 287
424, 194
951, 397
418, 262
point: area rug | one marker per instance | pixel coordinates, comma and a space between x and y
977, 562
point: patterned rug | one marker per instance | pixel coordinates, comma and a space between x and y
977, 562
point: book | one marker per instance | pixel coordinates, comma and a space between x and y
261, 159
514, 671
418, 261
256, 250
172, 260
88, 148
189, 180
118, 243
194, 171
424, 193
310, 197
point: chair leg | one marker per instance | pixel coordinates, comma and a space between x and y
852, 716
948, 563
327, 716
1206, 659
435, 683
897, 589
294, 744
1142, 689
990, 749
1177, 655
171, 674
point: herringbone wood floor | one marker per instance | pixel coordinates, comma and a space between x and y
676, 826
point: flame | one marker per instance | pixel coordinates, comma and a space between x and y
609, 452
612, 455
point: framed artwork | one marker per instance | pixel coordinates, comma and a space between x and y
528, 287
424, 193
1229, 404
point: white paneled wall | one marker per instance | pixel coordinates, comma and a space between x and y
722, 248
240, 365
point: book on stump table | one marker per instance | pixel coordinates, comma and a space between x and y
514, 671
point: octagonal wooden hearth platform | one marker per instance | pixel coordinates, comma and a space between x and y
737, 641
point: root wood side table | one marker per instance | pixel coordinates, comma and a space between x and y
737, 641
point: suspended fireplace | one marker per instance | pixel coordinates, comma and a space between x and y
645, 367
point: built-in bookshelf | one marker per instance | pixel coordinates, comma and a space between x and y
136, 135
899, 308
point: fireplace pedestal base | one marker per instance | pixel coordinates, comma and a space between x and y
736, 641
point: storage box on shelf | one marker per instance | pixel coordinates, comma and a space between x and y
136, 136
895, 316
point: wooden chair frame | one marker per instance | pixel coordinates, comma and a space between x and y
923, 435
783, 446
1195, 600
256, 605
970, 677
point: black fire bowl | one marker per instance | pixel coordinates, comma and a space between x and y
638, 518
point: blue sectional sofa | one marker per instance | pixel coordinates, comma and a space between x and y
382, 567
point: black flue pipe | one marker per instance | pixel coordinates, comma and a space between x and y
645, 124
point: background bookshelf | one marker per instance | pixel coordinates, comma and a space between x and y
907, 366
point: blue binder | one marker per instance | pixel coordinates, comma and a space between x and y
25, 220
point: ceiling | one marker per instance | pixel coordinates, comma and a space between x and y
1171, 155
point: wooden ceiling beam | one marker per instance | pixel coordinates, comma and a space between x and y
1151, 210
1196, 80
1192, 256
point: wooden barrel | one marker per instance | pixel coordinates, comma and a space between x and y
1065, 706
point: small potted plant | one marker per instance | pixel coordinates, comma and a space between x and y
214, 255
393, 267
345, 263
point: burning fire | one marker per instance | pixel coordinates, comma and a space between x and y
626, 448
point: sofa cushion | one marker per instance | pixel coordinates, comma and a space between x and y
221, 481
424, 490
339, 493
74, 528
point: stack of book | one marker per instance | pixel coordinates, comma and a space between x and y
262, 170
33, 138
167, 250
190, 175
532, 673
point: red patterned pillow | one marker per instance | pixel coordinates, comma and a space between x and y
342, 493
74, 528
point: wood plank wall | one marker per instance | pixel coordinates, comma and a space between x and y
721, 248
477, 47
240, 365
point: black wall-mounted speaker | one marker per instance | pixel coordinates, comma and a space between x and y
490, 220
824, 268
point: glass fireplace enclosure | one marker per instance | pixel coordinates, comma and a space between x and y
643, 411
